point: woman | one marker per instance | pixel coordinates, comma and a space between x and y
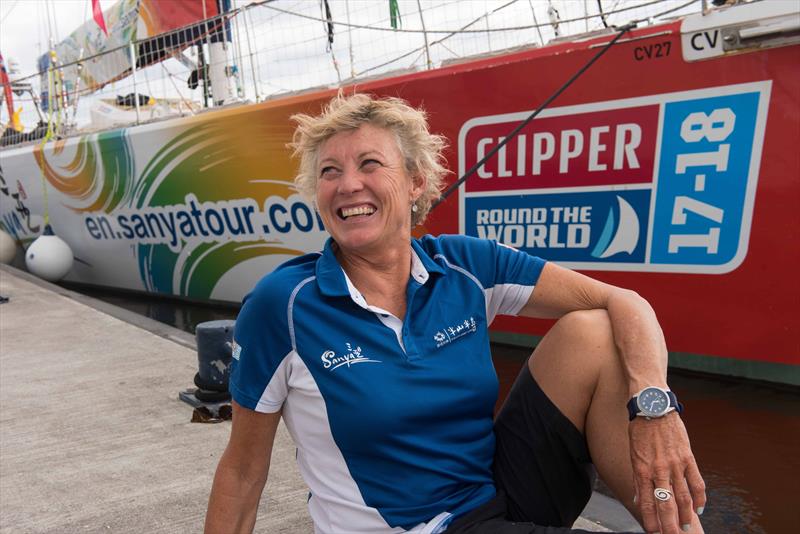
376, 354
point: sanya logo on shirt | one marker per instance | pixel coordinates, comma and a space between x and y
451, 333
353, 356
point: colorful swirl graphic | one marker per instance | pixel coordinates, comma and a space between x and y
216, 158
99, 175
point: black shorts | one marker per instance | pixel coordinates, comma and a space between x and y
542, 468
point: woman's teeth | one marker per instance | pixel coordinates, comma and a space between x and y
360, 210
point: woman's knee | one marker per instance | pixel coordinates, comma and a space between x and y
585, 332
570, 359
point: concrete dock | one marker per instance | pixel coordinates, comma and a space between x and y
93, 438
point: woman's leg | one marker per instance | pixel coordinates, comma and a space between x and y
578, 367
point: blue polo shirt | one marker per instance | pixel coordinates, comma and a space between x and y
391, 416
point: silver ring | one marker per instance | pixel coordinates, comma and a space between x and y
662, 494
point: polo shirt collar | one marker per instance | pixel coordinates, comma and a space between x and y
330, 276
422, 264
332, 281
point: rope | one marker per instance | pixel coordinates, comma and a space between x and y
180, 95
212, 21
267, 4
8, 13
602, 15
350, 40
536, 22
506, 29
47, 136
425, 36
329, 30
620, 32
438, 41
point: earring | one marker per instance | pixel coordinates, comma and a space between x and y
414, 208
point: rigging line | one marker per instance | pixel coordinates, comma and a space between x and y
215, 20
419, 56
621, 31
485, 16
668, 11
350, 39
425, 36
438, 41
507, 29
47, 136
256, 77
54, 33
263, 3
276, 15
8, 13
240, 74
456, 55
329, 29
49, 22
376, 67
602, 15
287, 11
536, 22
431, 8
171, 77
400, 30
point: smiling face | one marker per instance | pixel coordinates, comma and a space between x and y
364, 193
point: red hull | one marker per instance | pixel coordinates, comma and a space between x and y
750, 313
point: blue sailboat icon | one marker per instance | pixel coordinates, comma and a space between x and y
626, 236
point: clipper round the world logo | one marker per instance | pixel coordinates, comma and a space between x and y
661, 183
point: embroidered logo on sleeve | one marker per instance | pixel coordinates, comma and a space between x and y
451, 333
353, 356
236, 351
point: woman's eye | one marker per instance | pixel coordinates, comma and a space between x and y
327, 171
370, 164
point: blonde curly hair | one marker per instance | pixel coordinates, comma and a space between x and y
421, 150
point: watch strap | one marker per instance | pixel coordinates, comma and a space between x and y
633, 409
673, 402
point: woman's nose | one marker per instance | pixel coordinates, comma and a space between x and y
350, 182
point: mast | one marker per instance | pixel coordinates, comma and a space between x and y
218, 64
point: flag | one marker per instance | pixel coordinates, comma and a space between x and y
6, 84
98, 16
394, 14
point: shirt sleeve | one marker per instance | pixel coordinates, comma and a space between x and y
259, 373
506, 275
516, 274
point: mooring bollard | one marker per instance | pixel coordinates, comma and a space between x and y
214, 343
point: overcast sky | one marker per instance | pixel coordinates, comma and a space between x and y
24, 31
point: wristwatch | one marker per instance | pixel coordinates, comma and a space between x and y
652, 402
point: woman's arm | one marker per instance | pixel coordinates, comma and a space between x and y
660, 449
637, 333
242, 472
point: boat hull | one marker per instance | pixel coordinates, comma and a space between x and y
672, 177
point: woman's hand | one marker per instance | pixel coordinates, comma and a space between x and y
662, 458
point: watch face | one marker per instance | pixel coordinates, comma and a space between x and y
653, 402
